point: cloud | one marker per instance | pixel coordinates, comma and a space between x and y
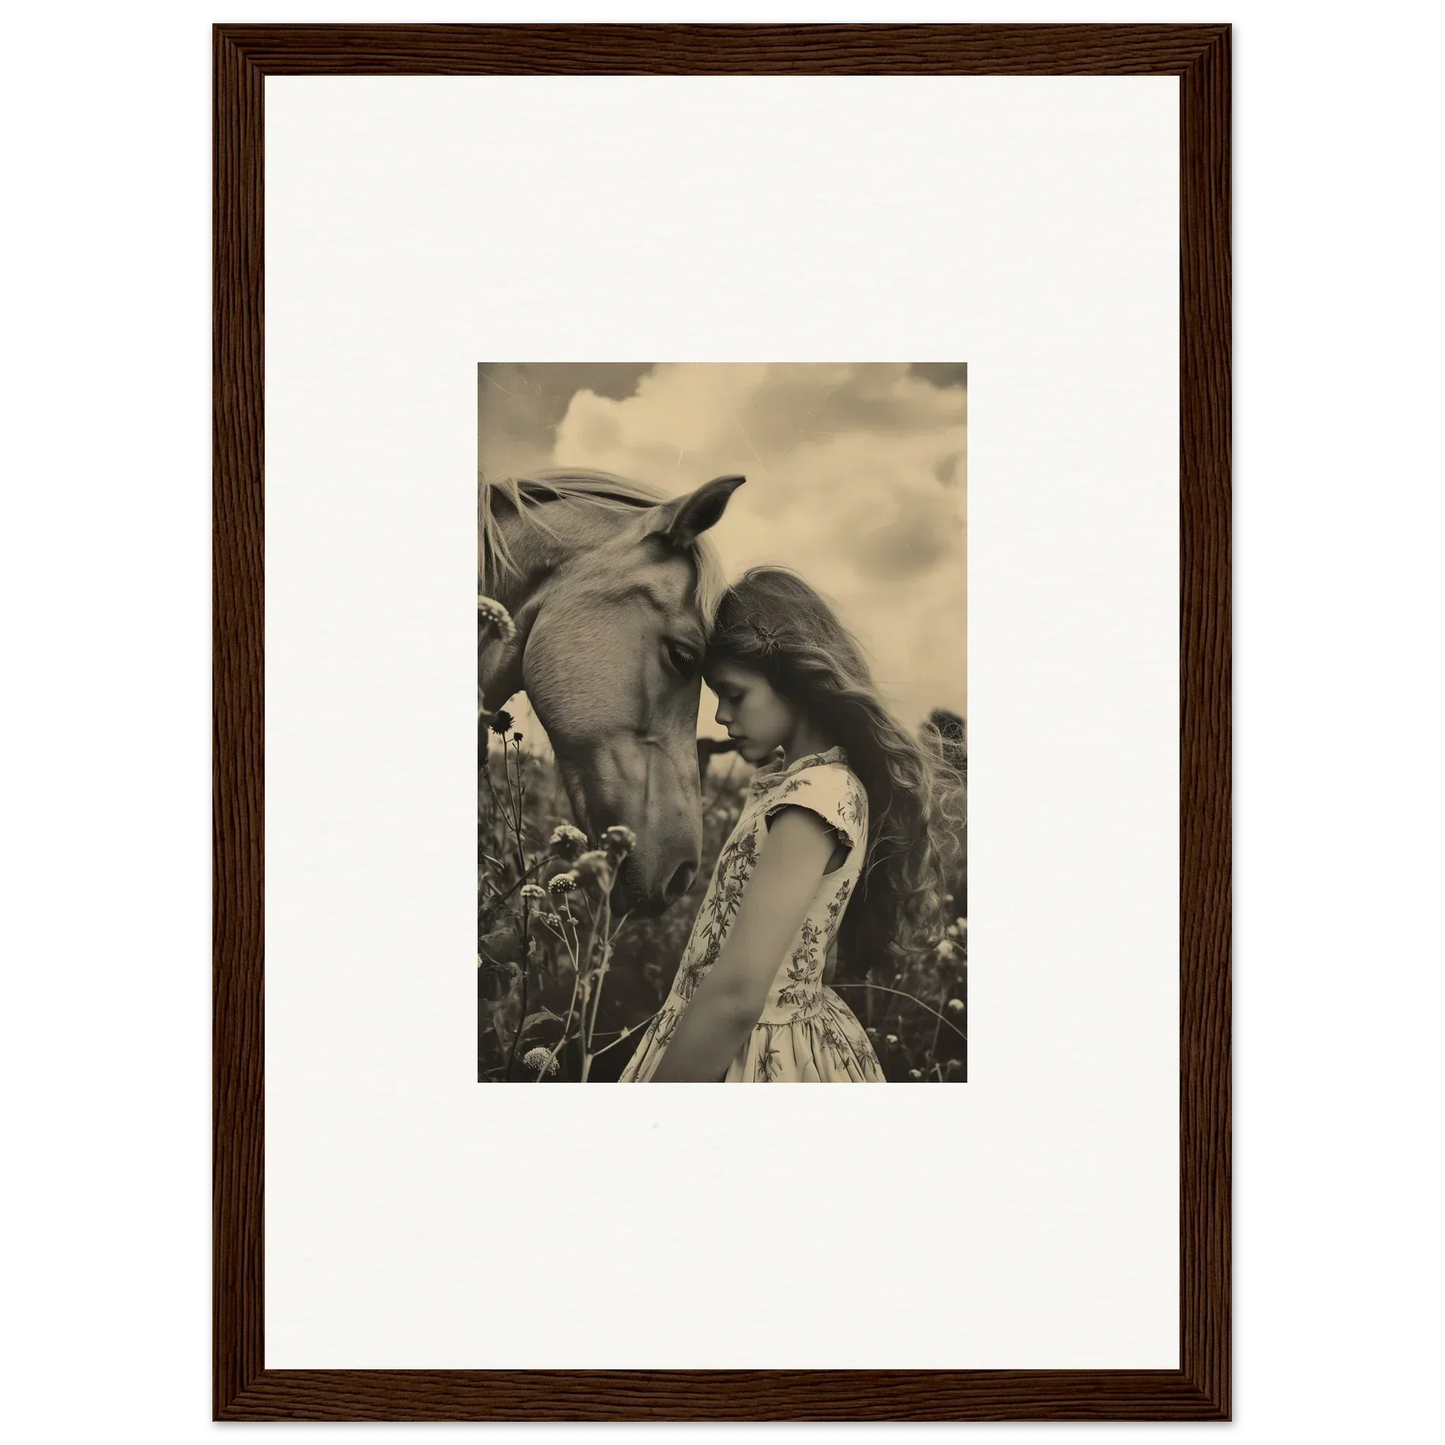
857, 477
941, 373
519, 407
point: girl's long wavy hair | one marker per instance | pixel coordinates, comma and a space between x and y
773, 622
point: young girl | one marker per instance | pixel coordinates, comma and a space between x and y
839, 839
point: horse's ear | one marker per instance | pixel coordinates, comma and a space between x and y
683, 519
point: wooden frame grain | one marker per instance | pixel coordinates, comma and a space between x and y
1200, 1390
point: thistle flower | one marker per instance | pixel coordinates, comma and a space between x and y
493, 618
563, 884
500, 722
596, 868
619, 841
533, 894
540, 1059
567, 842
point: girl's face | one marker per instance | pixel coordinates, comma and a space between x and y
750, 710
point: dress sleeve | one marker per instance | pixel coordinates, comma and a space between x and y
833, 793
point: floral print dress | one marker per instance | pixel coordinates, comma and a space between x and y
806, 1033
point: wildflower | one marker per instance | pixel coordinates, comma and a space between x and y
563, 884
567, 842
516, 737
948, 898
495, 618
540, 1059
944, 949
533, 894
955, 1005
952, 929
501, 722
595, 867
619, 841
915, 1073
891, 1039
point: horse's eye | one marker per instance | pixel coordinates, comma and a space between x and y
682, 662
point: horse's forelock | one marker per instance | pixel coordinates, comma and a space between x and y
606, 491
711, 580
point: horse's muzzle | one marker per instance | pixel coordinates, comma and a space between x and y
629, 898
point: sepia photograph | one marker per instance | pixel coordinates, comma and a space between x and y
722, 731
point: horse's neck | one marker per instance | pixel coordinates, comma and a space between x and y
523, 590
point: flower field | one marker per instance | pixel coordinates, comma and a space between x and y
564, 988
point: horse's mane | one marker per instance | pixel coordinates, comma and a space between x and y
603, 490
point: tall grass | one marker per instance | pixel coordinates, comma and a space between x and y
564, 986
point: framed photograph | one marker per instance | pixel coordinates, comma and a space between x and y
835, 667
818, 410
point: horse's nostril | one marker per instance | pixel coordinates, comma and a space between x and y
681, 880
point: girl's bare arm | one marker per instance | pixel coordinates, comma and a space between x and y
727, 1003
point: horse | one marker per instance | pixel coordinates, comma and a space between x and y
612, 588
708, 749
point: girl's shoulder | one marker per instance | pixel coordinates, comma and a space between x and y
848, 786
834, 765
836, 775
826, 786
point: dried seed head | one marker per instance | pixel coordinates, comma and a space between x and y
495, 620
595, 868
567, 842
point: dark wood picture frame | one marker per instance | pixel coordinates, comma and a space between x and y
1199, 55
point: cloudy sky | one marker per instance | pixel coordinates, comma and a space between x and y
857, 477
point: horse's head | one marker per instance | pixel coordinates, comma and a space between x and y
613, 668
